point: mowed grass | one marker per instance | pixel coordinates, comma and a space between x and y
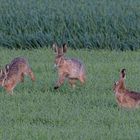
89, 112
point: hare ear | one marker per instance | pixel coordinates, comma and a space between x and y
55, 48
64, 48
7, 68
5, 72
115, 82
123, 73
1, 72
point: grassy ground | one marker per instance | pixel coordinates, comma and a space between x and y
90, 112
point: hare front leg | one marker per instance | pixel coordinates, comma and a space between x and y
60, 81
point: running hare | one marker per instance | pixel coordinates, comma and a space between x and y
14, 72
124, 97
72, 69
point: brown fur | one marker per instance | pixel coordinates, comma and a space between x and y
124, 97
72, 69
14, 72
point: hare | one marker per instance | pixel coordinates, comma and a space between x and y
72, 69
124, 97
14, 72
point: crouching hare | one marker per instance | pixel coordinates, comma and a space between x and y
124, 97
72, 69
14, 72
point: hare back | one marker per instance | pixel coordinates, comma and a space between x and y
129, 99
134, 95
18, 60
18, 66
75, 68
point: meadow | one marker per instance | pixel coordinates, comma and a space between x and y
99, 32
89, 112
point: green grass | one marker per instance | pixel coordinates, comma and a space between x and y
104, 24
89, 112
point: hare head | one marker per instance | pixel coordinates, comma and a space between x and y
3, 74
59, 54
120, 84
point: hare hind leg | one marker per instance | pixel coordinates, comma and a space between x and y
10, 87
82, 79
72, 82
31, 74
22, 77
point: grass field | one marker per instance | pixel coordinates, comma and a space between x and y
90, 112
36, 111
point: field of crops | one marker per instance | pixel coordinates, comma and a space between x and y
104, 24
37, 112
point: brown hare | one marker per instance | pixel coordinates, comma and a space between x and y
14, 72
72, 69
124, 97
